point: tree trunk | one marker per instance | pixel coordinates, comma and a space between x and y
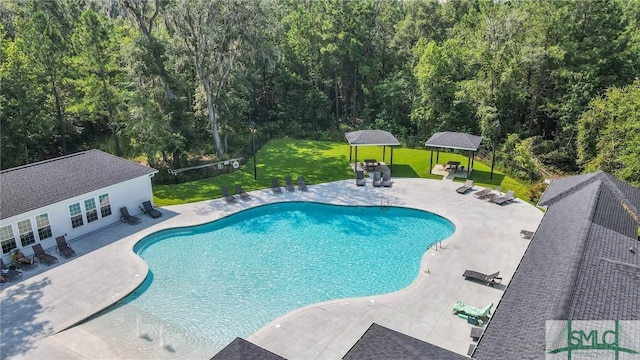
213, 117
335, 87
111, 122
59, 116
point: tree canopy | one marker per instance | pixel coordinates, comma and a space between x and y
554, 81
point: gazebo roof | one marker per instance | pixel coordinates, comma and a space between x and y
454, 140
371, 138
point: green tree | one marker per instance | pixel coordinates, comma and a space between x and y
609, 134
219, 36
100, 80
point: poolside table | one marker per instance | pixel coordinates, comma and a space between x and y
371, 164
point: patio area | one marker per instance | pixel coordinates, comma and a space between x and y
449, 172
40, 310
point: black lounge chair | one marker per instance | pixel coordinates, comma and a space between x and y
480, 194
377, 180
360, 181
526, 234
466, 187
148, 209
386, 179
508, 197
126, 217
227, 196
43, 255
476, 332
488, 279
493, 194
9, 272
241, 193
302, 186
288, 184
275, 186
64, 248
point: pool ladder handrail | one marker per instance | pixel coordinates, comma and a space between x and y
384, 206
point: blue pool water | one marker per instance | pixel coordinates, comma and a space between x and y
211, 283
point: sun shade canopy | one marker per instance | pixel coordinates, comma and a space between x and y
454, 140
371, 138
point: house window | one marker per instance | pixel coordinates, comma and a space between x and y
76, 215
105, 205
26, 232
44, 228
7, 240
90, 208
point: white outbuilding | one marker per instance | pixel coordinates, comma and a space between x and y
70, 195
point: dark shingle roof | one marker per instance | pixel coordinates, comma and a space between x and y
381, 343
33, 186
454, 140
240, 349
371, 138
578, 266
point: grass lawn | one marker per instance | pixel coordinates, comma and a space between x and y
319, 162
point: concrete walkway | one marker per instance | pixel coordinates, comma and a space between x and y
37, 309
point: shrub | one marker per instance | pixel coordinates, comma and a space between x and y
535, 191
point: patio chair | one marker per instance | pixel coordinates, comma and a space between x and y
508, 197
386, 179
21, 264
225, 192
483, 192
9, 272
148, 209
377, 180
241, 193
43, 255
64, 248
126, 217
466, 187
493, 194
470, 310
288, 184
302, 185
275, 186
360, 181
490, 279
526, 234
476, 332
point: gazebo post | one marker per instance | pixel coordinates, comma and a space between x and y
391, 160
350, 153
431, 162
469, 162
384, 149
437, 155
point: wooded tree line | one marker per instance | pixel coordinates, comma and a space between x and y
553, 83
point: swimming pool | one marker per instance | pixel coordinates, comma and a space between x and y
211, 283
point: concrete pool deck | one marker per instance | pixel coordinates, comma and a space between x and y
48, 300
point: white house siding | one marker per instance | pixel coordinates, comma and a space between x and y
130, 193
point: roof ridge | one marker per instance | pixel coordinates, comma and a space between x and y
572, 190
567, 293
621, 263
46, 161
620, 196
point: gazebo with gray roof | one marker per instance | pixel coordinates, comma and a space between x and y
371, 138
454, 140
